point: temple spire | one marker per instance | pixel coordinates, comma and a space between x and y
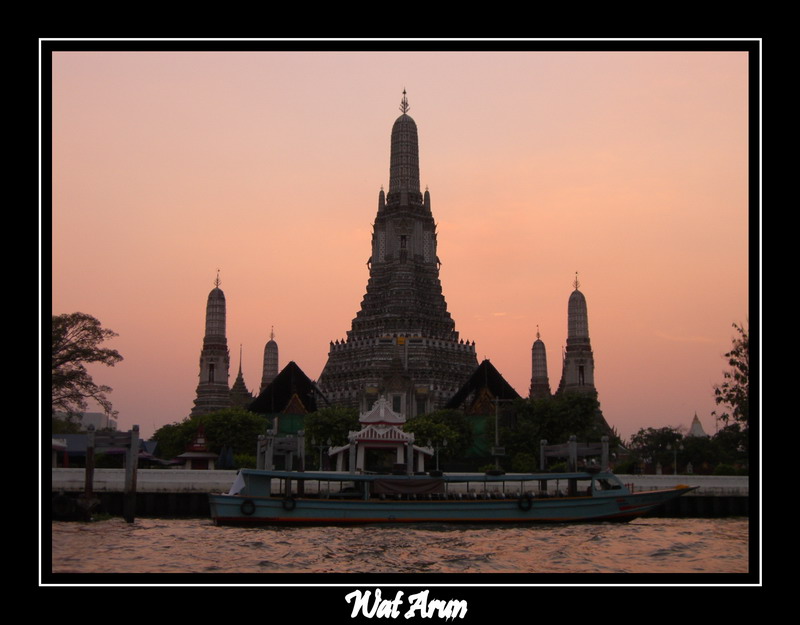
270, 369
404, 160
240, 396
540, 383
212, 388
578, 362
403, 323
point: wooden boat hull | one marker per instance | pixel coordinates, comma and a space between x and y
295, 510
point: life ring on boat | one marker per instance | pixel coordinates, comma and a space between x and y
248, 507
289, 503
525, 502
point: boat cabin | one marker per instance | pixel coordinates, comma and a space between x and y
462, 487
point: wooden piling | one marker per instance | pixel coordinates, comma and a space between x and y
131, 466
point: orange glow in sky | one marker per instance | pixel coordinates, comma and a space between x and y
630, 168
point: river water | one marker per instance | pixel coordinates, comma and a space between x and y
162, 546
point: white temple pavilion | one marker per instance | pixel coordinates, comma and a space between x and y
382, 430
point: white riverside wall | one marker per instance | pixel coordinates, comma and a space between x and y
732, 485
219, 481
147, 480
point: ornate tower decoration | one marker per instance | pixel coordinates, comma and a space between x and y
402, 344
578, 368
212, 390
270, 361
240, 396
540, 384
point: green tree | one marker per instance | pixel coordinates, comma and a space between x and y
652, 446
733, 395
332, 424
232, 428
76, 342
731, 447
701, 451
64, 426
553, 419
447, 429
172, 439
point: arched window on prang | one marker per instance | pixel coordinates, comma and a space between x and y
581, 378
211, 372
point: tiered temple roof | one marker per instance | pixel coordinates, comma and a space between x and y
291, 392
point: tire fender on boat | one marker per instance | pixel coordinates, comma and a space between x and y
248, 507
525, 502
289, 503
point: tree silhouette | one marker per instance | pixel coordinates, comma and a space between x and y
77, 339
734, 393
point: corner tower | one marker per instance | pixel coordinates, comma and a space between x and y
540, 383
403, 343
270, 370
212, 390
578, 370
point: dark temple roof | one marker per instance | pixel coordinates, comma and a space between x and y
292, 391
485, 378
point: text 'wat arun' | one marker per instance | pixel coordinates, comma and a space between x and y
403, 343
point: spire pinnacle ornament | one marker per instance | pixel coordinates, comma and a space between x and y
404, 103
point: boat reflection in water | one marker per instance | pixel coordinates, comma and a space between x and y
300, 498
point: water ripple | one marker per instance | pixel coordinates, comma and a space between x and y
196, 545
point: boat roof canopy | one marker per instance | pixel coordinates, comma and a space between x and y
460, 477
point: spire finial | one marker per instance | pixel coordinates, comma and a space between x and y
537, 331
216, 282
576, 283
272, 333
240, 357
404, 103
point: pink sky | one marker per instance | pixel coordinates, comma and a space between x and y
629, 168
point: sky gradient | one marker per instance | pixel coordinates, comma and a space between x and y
630, 168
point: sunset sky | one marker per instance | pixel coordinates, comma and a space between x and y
630, 168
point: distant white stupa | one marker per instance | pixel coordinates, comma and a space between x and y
697, 428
